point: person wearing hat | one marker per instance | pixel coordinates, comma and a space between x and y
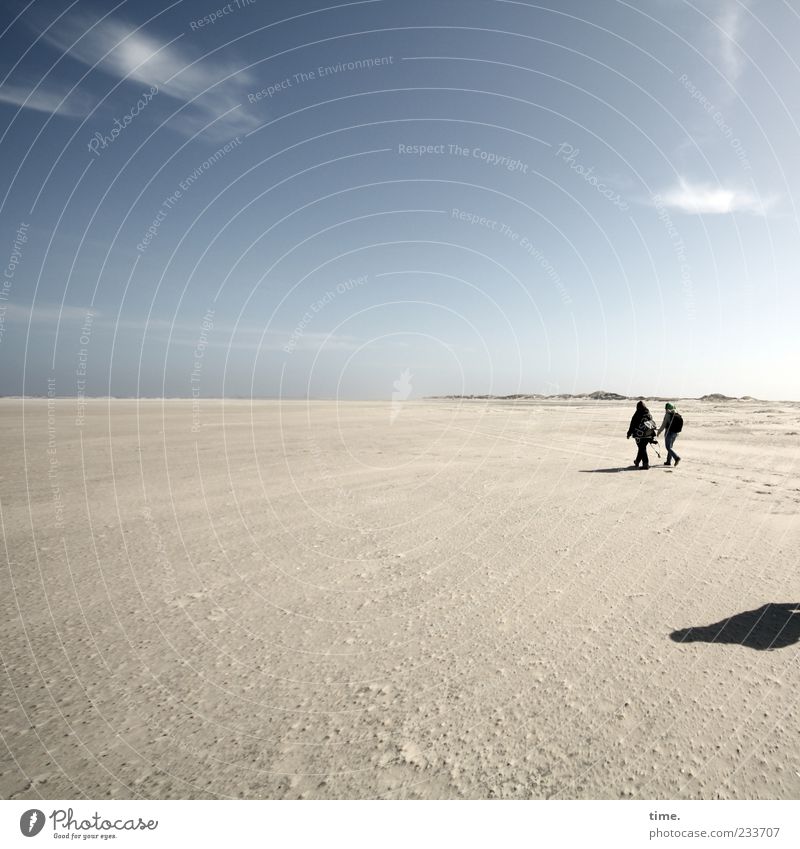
670, 425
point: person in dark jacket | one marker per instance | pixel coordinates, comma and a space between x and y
640, 434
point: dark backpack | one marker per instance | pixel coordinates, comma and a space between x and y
676, 425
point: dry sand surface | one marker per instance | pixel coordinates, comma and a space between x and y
470, 600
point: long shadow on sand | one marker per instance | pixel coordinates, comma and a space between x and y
772, 626
607, 471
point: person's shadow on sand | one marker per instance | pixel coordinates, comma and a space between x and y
607, 471
772, 626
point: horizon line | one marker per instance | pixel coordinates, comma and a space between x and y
527, 396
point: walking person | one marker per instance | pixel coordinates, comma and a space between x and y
673, 425
643, 429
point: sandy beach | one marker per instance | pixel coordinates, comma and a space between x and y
440, 599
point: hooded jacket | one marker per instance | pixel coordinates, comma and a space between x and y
641, 414
666, 424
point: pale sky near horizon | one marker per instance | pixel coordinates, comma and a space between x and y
358, 199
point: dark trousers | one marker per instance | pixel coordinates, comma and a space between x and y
642, 457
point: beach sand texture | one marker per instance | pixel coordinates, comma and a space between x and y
435, 599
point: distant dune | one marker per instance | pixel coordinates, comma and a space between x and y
597, 395
717, 396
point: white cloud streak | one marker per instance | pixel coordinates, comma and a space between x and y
705, 199
183, 334
48, 313
730, 23
48, 98
117, 49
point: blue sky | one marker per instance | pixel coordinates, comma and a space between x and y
300, 199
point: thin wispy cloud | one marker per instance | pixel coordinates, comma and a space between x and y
48, 313
118, 49
707, 199
50, 98
312, 342
729, 22
251, 337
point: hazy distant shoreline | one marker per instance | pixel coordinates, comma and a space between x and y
714, 397
599, 395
